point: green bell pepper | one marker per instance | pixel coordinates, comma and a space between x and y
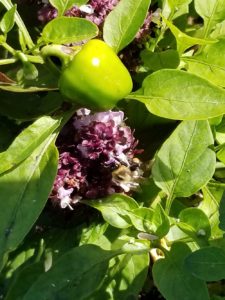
95, 78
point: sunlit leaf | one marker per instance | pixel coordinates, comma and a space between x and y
185, 157
65, 30
122, 24
179, 95
174, 281
207, 264
24, 192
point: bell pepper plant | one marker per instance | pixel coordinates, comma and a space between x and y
112, 149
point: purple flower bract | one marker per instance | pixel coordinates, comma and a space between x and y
91, 148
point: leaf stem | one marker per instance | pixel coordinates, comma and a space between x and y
169, 204
7, 61
8, 48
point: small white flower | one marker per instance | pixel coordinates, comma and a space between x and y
88, 9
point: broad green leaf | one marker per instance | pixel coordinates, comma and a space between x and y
174, 8
72, 273
212, 194
128, 276
210, 63
185, 163
207, 264
94, 234
115, 209
212, 12
90, 280
65, 30
219, 31
215, 121
8, 20
173, 280
183, 40
24, 192
62, 5
23, 280
168, 59
124, 279
179, 95
194, 222
123, 23
26, 142
151, 220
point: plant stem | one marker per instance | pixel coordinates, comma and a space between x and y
8, 48
168, 204
7, 61
35, 59
8, 4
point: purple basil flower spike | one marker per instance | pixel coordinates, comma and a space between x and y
96, 158
95, 11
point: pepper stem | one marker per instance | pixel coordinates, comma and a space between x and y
63, 53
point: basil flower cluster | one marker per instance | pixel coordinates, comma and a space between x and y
95, 11
96, 158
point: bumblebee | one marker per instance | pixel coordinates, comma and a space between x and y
128, 177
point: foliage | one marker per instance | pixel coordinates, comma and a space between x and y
169, 233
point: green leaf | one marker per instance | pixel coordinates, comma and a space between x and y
125, 277
219, 31
23, 280
72, 274
29, 72
185, 157
183, 40
212, 194
151, 221
26, 142
207, 263
65, 30
194, 222
160, 60
93, 234
212, 12
8, 20
62, 5
210, 63
24, 192
173, 280
179, 95
115, 209
90, 280
123, 23
175, 8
